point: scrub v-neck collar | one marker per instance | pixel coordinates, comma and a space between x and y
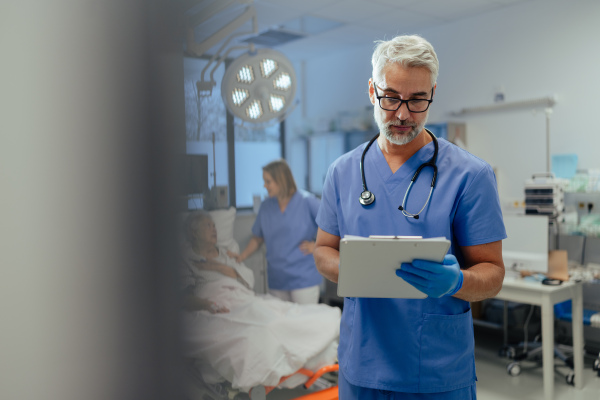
407, 169
288, 204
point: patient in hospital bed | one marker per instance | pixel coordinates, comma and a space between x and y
237, 335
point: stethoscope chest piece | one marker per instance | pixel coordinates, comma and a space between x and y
366, 198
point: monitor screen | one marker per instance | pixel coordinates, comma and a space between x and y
195, 169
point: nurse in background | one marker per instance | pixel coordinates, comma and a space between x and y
286, 224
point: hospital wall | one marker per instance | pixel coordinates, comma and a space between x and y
531, 50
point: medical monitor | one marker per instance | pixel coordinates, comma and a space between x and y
195, 170
526, 247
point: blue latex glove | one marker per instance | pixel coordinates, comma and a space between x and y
433, 279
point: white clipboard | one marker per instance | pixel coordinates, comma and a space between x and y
368, 265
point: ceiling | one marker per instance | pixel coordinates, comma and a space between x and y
326, 26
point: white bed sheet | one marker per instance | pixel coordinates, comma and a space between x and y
261, 339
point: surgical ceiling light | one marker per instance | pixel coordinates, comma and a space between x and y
283, 81
254, 110
239, 96
276, 103
267, 67
258, 87
265, 98
245, 74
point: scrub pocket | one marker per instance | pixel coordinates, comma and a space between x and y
447, 352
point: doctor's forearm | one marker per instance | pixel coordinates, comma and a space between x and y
483, 271
327, 260
481, 281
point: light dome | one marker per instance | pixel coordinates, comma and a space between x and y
259, 87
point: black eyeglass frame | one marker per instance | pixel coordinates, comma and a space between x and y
429, 101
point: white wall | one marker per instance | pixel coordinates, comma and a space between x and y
534, 49
332, 84
324, 92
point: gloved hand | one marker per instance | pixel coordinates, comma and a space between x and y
433, 279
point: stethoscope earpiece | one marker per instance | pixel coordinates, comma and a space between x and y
366, 198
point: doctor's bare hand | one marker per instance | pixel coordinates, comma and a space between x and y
433, 279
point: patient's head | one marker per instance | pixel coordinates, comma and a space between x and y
200, 229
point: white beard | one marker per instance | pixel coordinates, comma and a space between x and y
384, 129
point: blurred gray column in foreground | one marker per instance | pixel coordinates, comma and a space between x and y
91, 114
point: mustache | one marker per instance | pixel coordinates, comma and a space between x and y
401, 123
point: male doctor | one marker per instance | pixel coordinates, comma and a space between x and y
412, 348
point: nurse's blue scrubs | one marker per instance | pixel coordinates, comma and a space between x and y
287, 267
411, 345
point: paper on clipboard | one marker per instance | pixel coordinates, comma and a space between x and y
368, 265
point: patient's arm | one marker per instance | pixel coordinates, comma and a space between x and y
193, 303
246, 275
211, 265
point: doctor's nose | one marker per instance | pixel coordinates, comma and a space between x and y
403, 113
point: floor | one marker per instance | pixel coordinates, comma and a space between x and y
496, 384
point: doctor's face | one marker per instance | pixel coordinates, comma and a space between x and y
270, 184
401, 126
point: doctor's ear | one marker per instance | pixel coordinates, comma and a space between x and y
372, 92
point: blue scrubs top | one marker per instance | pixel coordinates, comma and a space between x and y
411, 345
288, 267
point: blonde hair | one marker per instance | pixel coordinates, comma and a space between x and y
282, 175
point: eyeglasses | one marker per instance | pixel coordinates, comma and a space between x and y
394, 103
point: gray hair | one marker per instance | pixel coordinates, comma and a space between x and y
409, 51
190, 225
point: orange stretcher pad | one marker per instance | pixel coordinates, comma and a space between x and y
325, 394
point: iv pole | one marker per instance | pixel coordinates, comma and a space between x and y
548, 162
214, 162
553, 222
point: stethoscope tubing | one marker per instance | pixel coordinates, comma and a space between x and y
367, 198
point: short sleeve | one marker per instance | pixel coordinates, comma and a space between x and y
313, 206
327, 216
478, 218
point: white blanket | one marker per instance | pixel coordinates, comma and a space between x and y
261, 338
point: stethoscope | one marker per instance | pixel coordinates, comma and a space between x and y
367, 198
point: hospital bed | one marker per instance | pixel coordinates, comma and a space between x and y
316, 389
318, 375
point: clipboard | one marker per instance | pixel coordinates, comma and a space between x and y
368, 265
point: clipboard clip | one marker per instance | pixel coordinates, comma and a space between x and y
394, 237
